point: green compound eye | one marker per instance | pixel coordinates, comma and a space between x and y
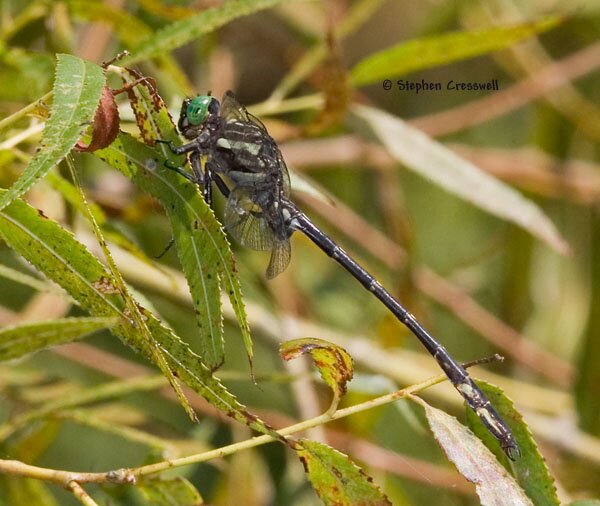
197, 109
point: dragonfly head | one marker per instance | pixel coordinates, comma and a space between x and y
194, 112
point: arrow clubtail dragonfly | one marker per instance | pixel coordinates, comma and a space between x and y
259, 214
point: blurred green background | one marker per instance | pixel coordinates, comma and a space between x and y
481, 285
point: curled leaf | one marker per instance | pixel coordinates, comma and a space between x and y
105, 126
334, 362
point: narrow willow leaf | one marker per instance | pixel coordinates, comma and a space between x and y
460, 177
77, 90
428, 52
336, 479
333, 361
181, 32
151, 114
131, 308
203, 250
202, 258
20, 340
55, 252
530, 469
155, 123
494, 486
176, 491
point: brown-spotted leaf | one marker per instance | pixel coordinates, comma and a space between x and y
105, 126
334, 362
336, 479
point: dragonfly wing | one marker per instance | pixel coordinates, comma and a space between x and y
245, 221
232, 110
285, 176
280, 258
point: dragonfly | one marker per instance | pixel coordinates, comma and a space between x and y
231, 148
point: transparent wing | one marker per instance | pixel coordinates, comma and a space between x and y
231, 109
280, 258
245, 221
285, 176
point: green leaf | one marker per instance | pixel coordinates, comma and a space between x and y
203, 249
428, 52
132, 308
19, 340
181, 32
202, 257
458, 176
530, 469
333, 361
199, 260
585, 502
55, 252
176, 491
77, 90
494, 485
336, 479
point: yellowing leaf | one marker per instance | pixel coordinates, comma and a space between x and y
334, 363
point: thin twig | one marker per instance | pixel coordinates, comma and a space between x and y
129, 476
24, 111
81, 494
301, 426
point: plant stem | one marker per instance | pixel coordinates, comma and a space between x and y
129, 476
81, 494
298, 427
23, 112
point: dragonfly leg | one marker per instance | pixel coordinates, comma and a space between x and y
167, 248
181, 150
221, 185
181, 171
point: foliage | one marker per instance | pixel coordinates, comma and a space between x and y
502, 212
